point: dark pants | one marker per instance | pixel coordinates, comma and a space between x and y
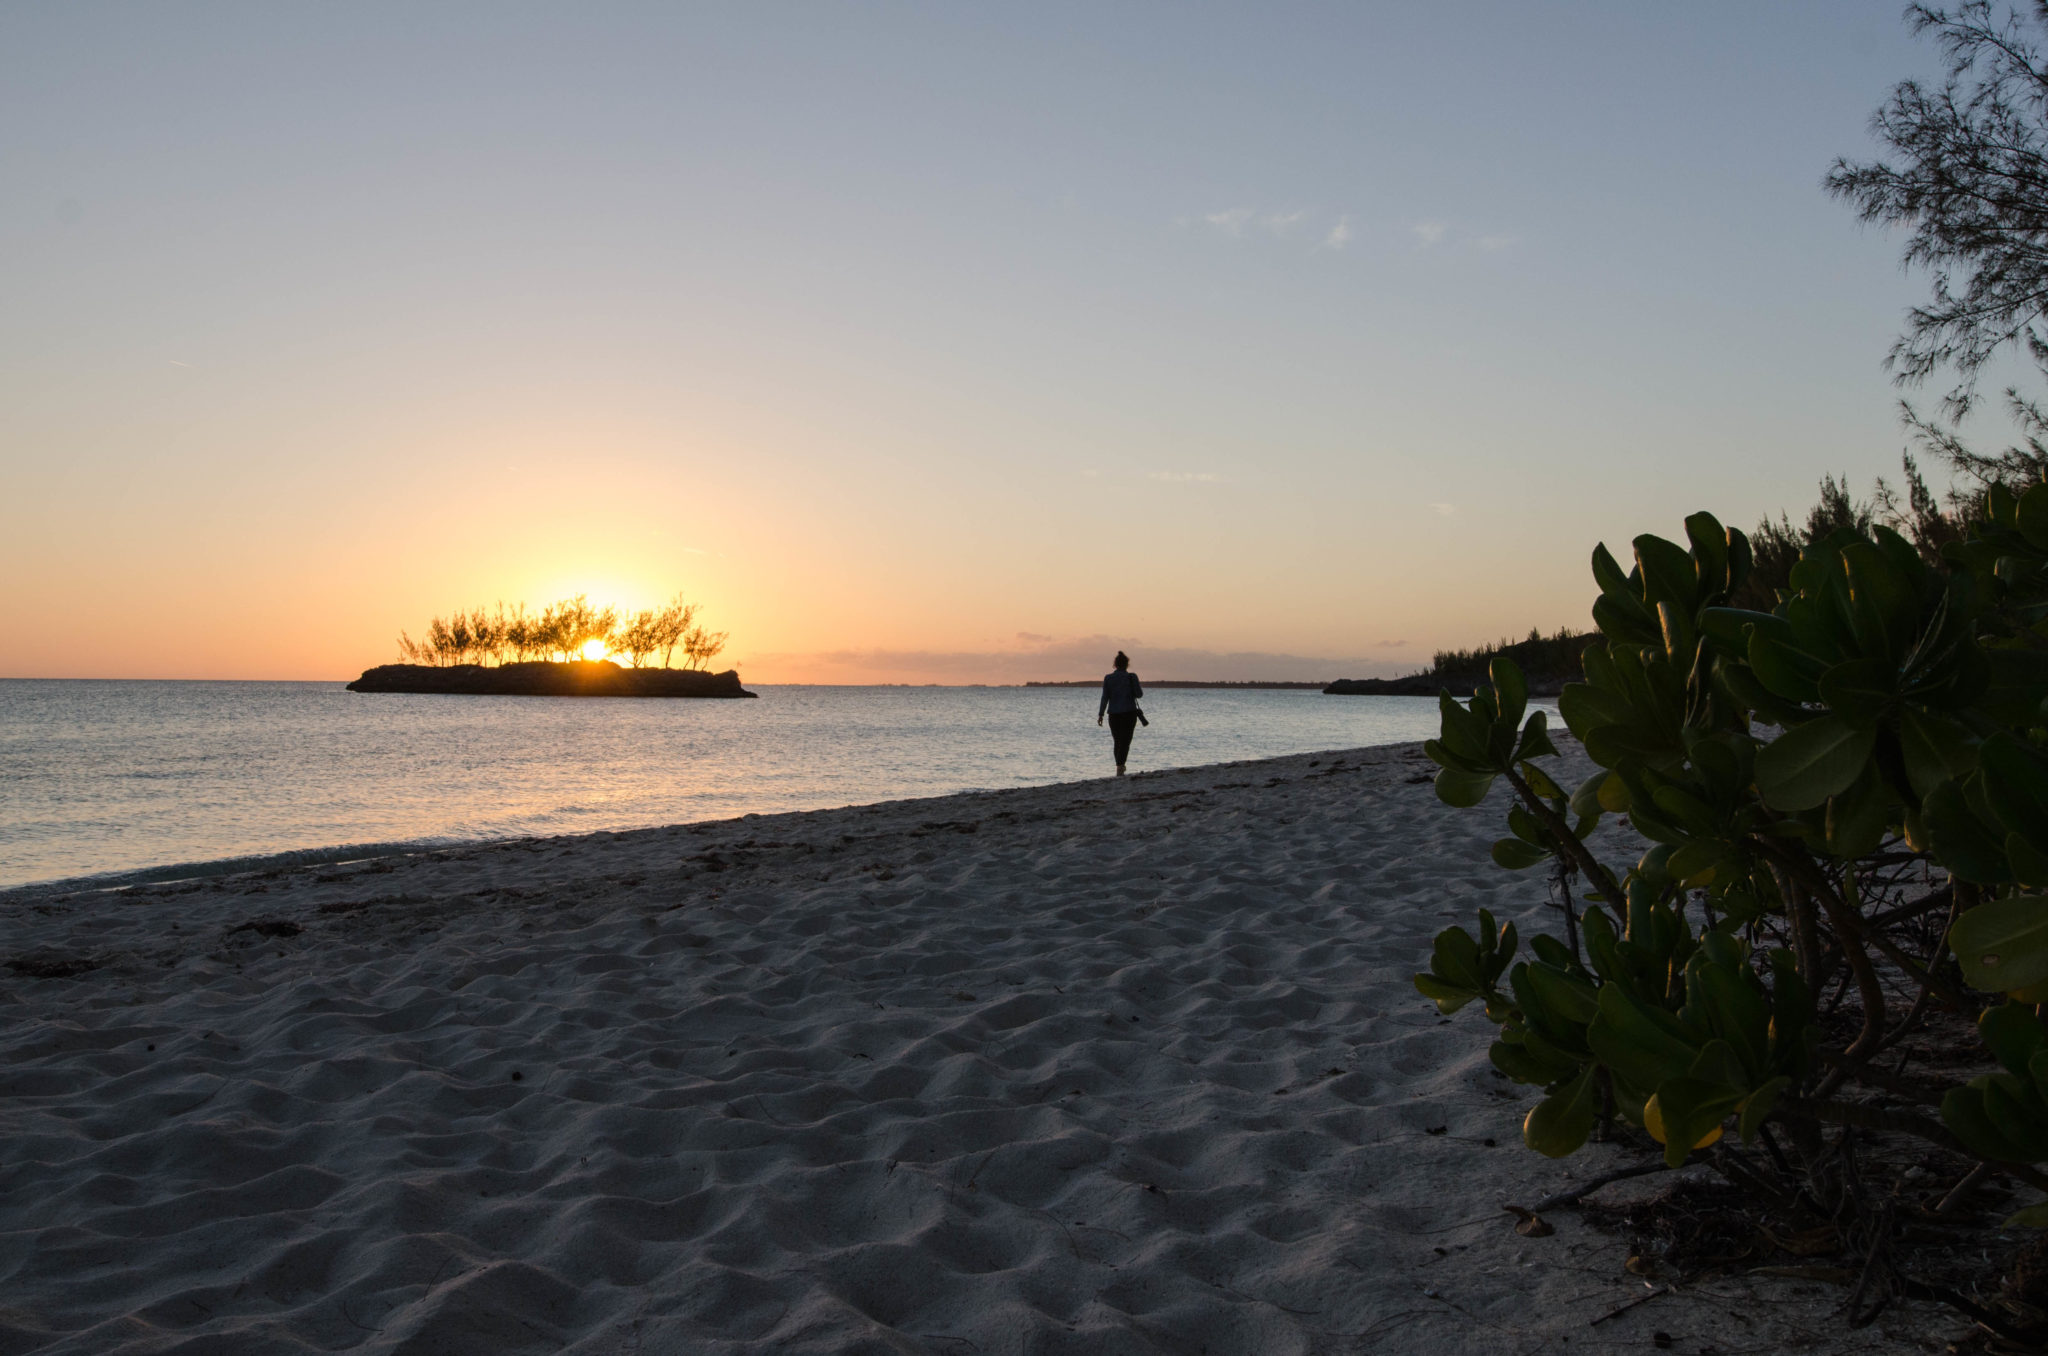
1121, 725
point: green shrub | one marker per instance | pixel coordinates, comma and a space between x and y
1886, 716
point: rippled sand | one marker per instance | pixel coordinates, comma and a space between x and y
1105, 1067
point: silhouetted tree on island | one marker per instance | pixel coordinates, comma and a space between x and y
561, 631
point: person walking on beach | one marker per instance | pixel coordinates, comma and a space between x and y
1120, 693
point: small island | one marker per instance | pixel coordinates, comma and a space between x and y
560, 651
543, 678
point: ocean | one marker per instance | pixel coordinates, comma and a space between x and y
156, 780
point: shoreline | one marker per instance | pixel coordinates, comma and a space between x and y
1103, 1065
207, 868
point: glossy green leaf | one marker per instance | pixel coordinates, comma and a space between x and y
1674, 627
1535, 740
1540, 782
1690, 1109
1527, 827
2012, 1033
1448, 997
1698, 864
1962, 1111
2031, 517
1862, 691
1785, 669
1756, 1107
2011, 1105
1724, 764
1858, 817
1525, 1066
1444, 757
1585, 799
1624, 619
1512, 688
1569, 999
1718, 1064
1552, 952
2029, 863
1455, 959
1935, 748
1724, 999
1729, 627
1462, 789
1515, 855
1463, 732
1710, 549
1740, 558
2002, 506
1558, 1125
2002, 945
1742, 689
1801, 768
1960, 840
1884, 605
2016, 787
2016, 681
1586, 708
1643, 1046
1607, 572
1668, 572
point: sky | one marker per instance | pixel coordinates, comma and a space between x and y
916, 343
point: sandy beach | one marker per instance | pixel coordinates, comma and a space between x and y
1113, 1066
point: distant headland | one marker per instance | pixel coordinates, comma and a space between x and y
582, 678
1548, 662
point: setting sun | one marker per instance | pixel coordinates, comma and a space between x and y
593, 650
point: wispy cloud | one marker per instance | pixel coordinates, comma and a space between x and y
1188, 477
1236, 223
175, 363
1429, 233
1229, 221
1389, 644
1491, 243
1444, 510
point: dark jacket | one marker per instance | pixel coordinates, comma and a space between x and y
1120, 693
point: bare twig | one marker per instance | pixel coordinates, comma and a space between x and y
1572, 1196
1597, 875
1621, 1309
1963, 1188
1864, 1072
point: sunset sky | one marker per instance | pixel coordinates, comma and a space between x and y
919, 343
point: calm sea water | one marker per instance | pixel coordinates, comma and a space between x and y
110, 778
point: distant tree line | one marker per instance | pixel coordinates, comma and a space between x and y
562, 631
1915, 513
1541, 657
